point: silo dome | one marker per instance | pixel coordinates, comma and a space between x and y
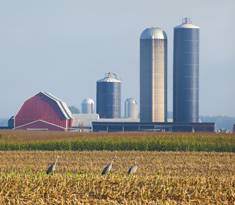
88, 106
153, 33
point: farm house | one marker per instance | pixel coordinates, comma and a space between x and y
43, 111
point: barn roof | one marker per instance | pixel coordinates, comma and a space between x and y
62, 105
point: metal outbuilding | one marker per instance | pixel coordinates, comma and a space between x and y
109, 126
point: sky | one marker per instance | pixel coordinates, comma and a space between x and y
64, 47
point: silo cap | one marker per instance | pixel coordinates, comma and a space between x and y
131, 100
153, 33
187, 23
110, 77
88, 101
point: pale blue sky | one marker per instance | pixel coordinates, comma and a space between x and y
65, 46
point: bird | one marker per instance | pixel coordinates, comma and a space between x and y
108, 167
132, 169
51, 168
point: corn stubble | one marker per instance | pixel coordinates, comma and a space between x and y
162, 178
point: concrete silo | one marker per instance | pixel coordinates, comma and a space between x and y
88, 106
108, 96
186, 72
131, 108
153, 75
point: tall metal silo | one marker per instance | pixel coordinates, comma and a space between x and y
131, 108
186, 72
88, 106
108, 96
153, 75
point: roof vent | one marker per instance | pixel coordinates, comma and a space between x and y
111, 75
187, 20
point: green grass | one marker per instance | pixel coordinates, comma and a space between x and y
50, 141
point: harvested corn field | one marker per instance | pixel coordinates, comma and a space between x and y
161, 178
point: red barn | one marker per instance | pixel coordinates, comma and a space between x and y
43, 112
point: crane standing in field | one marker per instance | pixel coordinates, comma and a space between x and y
133, 169
52, 167
108, 167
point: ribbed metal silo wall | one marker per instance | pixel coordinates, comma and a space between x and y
153, 80
186, 75
108, 99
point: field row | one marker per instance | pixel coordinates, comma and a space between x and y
50, 141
